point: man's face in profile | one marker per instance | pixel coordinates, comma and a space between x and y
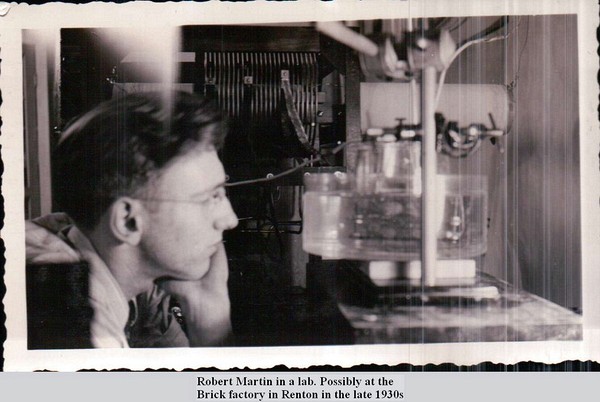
187, 212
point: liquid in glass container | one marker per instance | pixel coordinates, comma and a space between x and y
340, 222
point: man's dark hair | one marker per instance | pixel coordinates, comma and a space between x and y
116, 147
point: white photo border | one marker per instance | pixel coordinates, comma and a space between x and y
58, 15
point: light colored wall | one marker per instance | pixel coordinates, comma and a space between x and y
534, 236
543, 159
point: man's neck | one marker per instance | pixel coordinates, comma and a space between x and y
124, 263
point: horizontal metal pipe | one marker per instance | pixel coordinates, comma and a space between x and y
348, 37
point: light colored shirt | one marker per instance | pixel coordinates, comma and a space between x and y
146, 321
111, 308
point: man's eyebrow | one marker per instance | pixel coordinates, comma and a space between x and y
208, 190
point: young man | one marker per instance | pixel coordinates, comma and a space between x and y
143, 190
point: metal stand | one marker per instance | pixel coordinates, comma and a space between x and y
429, 173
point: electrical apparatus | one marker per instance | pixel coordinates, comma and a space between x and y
417, 228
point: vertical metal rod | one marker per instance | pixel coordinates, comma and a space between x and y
429, 173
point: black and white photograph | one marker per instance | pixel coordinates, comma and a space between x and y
387, 188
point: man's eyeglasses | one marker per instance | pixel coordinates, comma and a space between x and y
212, 198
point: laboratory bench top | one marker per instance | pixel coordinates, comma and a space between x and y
313, 316
266, 312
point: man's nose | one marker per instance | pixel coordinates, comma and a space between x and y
227, 219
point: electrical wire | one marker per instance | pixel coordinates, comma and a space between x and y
513, 83
461, 23
289, 171
495, 27
274, 177
461, 152
275, 222
458, 51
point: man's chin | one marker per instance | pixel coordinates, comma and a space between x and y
200, 270
212, 249
191, 271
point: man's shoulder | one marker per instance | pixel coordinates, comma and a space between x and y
57, 287
46, 242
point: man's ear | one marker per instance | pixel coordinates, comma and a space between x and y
126, 220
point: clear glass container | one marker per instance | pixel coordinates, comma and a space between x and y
327, 198
385, 224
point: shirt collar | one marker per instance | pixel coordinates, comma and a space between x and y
104, 289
